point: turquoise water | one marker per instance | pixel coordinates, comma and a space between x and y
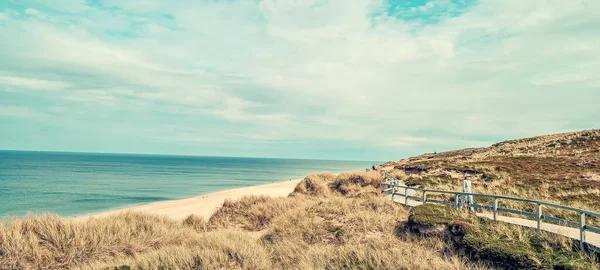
72, 184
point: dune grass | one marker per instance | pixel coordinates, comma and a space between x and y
558, 168
50, 242
329, 222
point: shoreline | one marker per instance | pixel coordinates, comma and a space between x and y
203, 205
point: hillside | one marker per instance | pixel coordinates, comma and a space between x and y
562, 168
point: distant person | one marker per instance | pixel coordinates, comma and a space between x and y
466, 186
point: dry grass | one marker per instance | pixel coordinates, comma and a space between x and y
355, 183
349, 228
316, 184
195, 222
224, 249
347, 184
559, 168
253, 213
53, 243
328, 222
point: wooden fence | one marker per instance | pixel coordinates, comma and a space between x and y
393, 187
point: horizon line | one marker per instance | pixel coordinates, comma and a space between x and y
177, 155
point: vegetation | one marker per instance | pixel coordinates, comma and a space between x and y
502, 244
560, 168
329, 222
433, 214
340, 221
50, 242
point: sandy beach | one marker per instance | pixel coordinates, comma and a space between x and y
205, 205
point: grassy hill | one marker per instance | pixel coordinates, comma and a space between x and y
561, 168
340, 221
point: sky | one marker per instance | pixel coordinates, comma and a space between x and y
350, 80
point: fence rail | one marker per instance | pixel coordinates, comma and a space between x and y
393, 187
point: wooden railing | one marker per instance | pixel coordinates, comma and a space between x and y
393, 188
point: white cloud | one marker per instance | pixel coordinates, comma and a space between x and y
8, 13
9, 82
16, 111
407, 141
236, 109
189, 138
33, 12
306, 69
414, 142
424, 8
92, 96
566, 78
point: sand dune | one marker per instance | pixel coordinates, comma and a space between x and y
205, 205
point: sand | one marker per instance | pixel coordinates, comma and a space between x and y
204, 205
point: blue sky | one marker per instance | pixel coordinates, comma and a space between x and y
354, 80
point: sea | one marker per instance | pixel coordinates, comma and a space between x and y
74, 184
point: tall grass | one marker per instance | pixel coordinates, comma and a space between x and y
558, 168
49, 242
329, 222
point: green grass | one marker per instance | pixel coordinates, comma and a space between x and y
433, 214
501, 244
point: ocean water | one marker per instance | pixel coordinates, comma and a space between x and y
71, 184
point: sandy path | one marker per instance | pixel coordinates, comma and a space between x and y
205, 205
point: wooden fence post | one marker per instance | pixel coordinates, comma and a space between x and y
539, 217
456, 201
582, 229
495, 208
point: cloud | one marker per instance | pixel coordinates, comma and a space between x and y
92, 96
424, 8
407, 141
10, 82
32, 12
566, 78
236, 109
17, 111
429, 142
449, 73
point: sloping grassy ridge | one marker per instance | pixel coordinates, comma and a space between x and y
501, 244
559, 168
